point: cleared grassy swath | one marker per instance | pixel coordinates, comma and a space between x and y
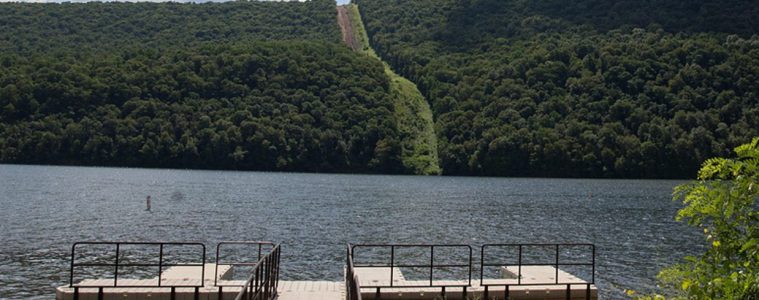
412, 111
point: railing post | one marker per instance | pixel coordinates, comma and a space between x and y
470, 265
351, 284
557, 265
264, 289
258, 271
203, 268
252, 292
432, 262
271, 278
160, 263
392, 263
116, 271
71, 271
593, 270
482, 263
264, 277
275, 273
519, 273
279, 250
267, 273
216, 265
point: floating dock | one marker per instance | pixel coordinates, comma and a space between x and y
536, 274
211, 281
332, 290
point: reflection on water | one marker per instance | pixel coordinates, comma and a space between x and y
46, 209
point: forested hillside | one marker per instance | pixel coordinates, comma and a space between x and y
266, 106
517, 88
84, 28
238, 85
581, 88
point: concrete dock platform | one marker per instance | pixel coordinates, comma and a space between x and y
530, 275
335, 290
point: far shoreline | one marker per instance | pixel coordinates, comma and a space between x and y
336, 173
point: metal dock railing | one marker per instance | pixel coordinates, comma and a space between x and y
261, 283
522, 268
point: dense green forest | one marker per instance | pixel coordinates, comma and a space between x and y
268, 106
84, 28
239, 85
581, 88
585, 88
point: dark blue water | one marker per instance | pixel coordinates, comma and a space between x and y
46, 209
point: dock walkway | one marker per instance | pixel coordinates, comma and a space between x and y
316, 290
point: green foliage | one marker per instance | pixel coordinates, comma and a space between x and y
723, 202
236, 85
268, 106
587, 89
100, 27
418, 140
419, 144
582, 89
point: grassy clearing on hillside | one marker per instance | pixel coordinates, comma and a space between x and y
414, 115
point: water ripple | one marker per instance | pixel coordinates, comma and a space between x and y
46, 209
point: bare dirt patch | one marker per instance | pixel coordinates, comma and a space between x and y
346, 27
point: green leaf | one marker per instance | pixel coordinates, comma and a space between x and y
686, 284
748, 245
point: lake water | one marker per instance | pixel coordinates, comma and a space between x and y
46, 209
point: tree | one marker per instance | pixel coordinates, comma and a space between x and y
723, 202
